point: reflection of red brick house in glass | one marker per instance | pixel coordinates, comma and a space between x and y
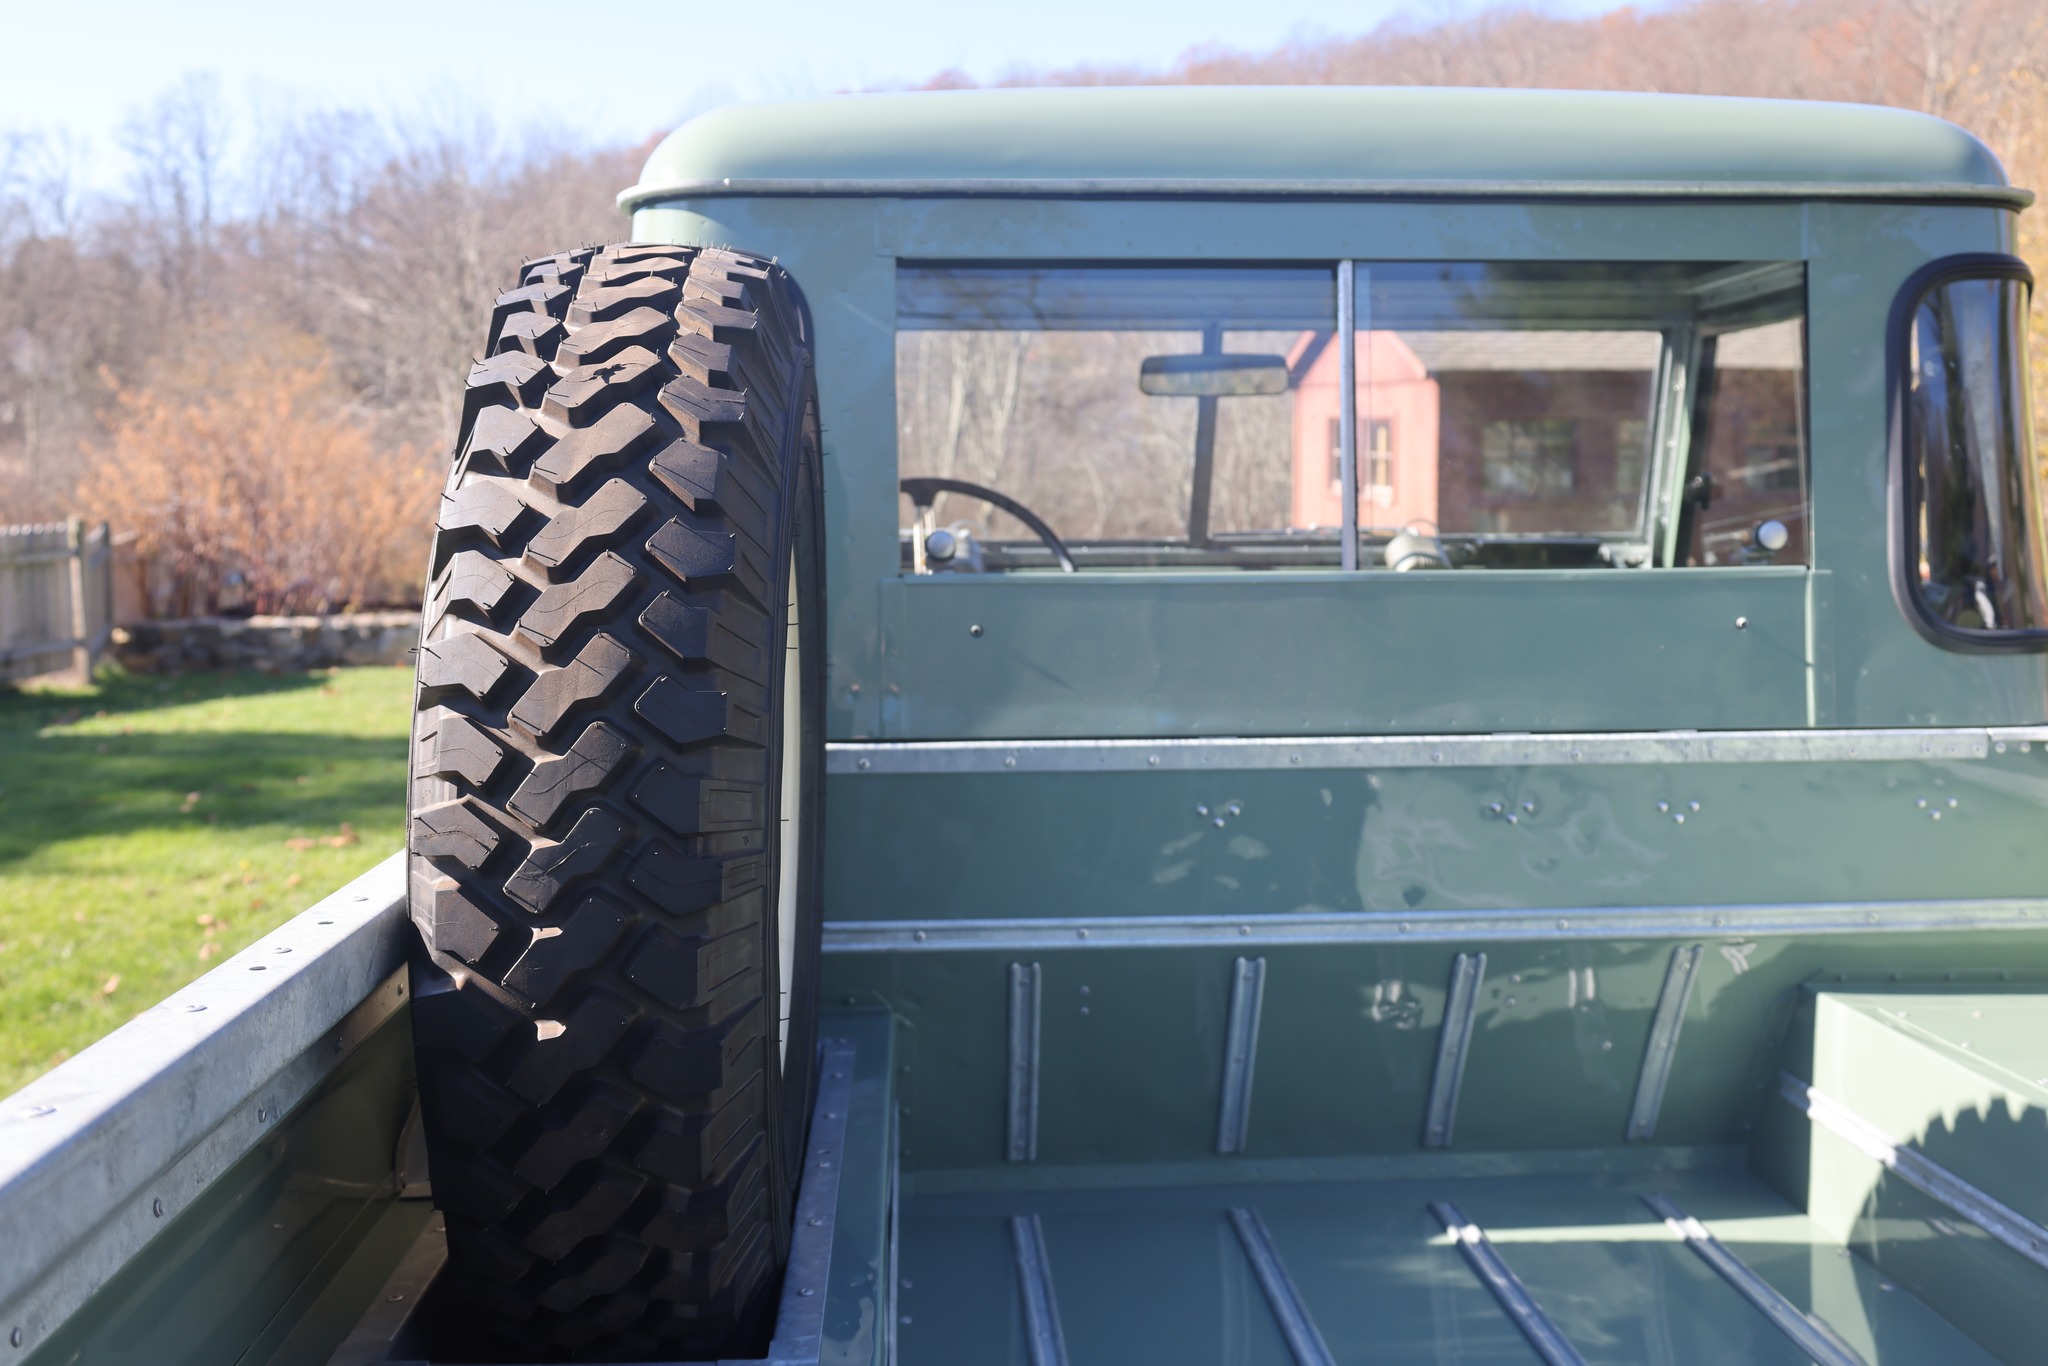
1482, 431
1537, 432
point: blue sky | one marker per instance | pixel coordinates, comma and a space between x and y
83, 65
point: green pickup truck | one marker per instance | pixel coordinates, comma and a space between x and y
1169, 725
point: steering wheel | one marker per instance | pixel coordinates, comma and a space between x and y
925, 491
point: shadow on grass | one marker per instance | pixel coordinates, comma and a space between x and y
117, 692
88, 787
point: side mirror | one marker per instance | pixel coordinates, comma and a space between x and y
1212, 376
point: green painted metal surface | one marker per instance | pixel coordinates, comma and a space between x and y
1158, 1275
1000, 845
1952, 1072
1327, 133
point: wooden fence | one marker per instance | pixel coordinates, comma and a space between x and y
56, 598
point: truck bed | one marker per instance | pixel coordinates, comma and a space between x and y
1162, 1275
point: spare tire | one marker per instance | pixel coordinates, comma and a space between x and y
615, 819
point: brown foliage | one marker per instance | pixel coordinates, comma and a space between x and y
241, 466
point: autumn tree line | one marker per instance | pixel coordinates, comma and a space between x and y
250, 354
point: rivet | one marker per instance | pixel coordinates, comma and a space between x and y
918, 935
1999, 747
1494, 808
1575, 756
1241, 929
1152, 760
1510, 1001
1084, 1010
1436, 756
194, 1008
38, 1111
156, 1207
1678, 817
1953, 803
1742, 623
1692, 806
905, 1320
1934, 815
1607, 1045
280, 949
393, 1299
1921, 802
1294, 758
1201, 811
807, 1290
1513, 819
1564, 924
1663, 807
906, 1283
1234, 809
1529, 807
1219, 822
1404, 927
14, 1338
815, 1222
1515, 979
974, 630
860, 763
1872, 918
1009, 761
1083, 934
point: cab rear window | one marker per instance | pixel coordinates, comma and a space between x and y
1500, 415
1971, 533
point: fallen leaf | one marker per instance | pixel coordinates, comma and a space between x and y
107, 987
255, 903
204, 919
300, 842
292, 881
208, 950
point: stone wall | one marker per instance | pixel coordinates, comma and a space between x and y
271, 644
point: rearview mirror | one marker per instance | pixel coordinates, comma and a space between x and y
1224, 376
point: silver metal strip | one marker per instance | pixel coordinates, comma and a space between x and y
100, 1153
1497, 1276
1662, 1047
1996, 1218
1455, 1040
800, 1321
1240, 1053
1021, 1069
1431, 927
1810, 1335
1236, 753
1347, 415
1043, 1339
1145, 187
1304, 1339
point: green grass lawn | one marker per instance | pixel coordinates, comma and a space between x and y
151, 827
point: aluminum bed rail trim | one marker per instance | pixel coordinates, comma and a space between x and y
1240, 1053
1035, 935
1044, 1339
1147, 187
1662, 1048
1809, 1334
1304, 1339
875, 757
800, 1320
1937, 1182
1507, 1287
98, 1153
1020, 1072
1454, 1042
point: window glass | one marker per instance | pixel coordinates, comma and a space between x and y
1161, 415
1749, 448
1974, 503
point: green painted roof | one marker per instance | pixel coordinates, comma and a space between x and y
1317, 140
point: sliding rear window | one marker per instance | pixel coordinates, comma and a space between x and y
1971, 567
1512, 414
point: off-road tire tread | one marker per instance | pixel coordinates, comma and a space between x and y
590, 777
